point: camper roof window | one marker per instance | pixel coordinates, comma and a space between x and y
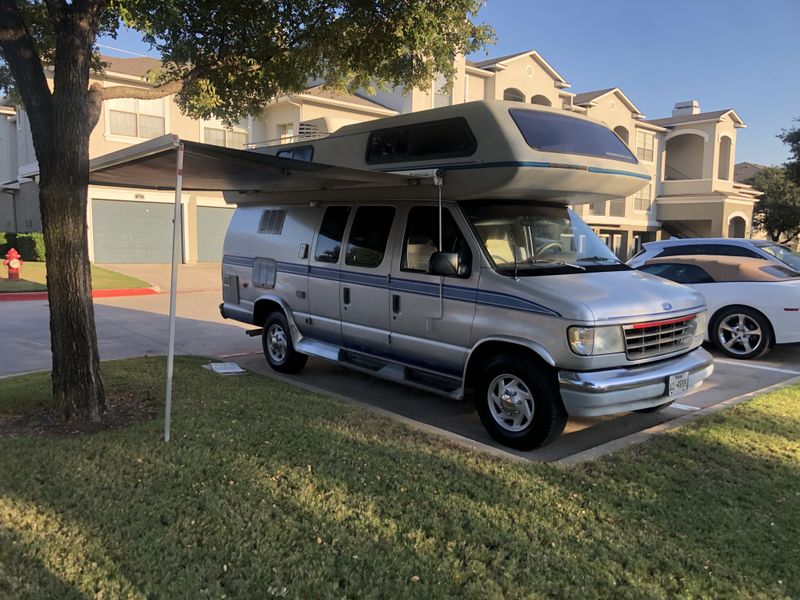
437, 139
550, 132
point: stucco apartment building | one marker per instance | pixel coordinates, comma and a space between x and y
690, 155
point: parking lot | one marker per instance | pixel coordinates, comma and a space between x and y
136, 326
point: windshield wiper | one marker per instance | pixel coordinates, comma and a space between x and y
596, 259
550, 261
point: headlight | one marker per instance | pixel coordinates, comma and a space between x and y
591, 341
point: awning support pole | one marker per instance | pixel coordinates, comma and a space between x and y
176, 246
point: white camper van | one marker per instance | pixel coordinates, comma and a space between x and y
478, 282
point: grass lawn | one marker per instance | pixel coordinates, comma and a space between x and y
268, 490
33, 278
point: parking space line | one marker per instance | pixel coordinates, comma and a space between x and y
740, 363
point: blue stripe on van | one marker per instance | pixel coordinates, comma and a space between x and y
411, 286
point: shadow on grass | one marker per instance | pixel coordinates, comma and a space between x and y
267, 487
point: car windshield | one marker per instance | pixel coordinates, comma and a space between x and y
783, 254
538, 239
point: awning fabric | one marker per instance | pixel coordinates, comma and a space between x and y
152, 164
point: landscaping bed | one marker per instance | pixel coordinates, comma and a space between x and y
33, 278
270, 490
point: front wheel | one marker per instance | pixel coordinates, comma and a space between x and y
519, 404
279, 351
742, 332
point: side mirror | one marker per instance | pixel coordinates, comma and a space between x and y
447, 264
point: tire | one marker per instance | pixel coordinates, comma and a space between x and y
530, 413
741, 332
276, 340
653, 409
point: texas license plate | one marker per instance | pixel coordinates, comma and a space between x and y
678, 384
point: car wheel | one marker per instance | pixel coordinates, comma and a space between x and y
279, 351
742, 332
519, 404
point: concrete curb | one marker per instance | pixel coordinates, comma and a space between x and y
25, 296
646, 434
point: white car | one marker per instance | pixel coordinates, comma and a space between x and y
752, 303
720, 246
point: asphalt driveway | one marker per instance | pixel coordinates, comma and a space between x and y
135, 326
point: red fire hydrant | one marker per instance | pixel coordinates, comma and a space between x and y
13, 261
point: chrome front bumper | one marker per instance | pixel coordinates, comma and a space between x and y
594, 393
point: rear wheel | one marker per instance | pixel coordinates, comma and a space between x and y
518, 402
741, 332
279, 351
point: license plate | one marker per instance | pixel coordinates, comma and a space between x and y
678, 384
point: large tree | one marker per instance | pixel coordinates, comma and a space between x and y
223, 60
777, 212
791, 137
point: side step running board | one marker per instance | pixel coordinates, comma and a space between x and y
429, 381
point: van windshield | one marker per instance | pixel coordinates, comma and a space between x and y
530, 239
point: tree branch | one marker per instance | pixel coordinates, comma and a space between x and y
129, 91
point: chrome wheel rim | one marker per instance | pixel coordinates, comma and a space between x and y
510, 402
277, 345
740, 334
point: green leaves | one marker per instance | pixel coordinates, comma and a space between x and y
777, 212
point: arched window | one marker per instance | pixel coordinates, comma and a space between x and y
514, 95
684, 157
622, 133
736, 227
724, 169
543, 100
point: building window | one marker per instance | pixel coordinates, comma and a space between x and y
514, 95
285, 132
598, 208
643, 199
136, 118
227, 138
616, 208
645, 145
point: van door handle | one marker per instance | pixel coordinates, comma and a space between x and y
396, 304
346, 296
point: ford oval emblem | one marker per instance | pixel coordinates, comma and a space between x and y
666, 306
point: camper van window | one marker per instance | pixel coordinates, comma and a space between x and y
305, 153
272, 221
530, 239
437, 139
368, 236
551, 132
422, 238
331, 232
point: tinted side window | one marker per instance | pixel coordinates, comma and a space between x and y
438, 139
679, 273
368, 236
422, 238
305, 153
329, 240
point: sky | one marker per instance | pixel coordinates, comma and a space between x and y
736, 54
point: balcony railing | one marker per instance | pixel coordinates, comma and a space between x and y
291, 139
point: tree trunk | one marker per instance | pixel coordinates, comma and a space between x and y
78, 392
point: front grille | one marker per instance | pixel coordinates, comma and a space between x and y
655, 338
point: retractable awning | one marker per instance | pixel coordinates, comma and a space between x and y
151, 165
169, 163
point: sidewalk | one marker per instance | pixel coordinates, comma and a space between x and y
191, 278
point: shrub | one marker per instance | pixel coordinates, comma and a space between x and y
5, 242
30, 246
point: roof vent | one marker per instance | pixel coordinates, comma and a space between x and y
687, 107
